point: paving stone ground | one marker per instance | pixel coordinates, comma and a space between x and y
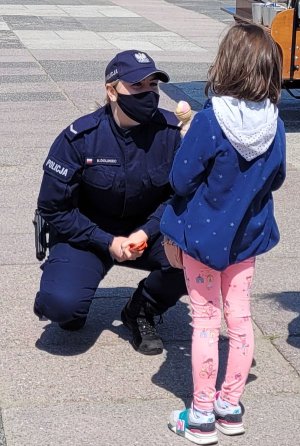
91, 387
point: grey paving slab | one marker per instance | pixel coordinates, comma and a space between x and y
62, 39
3, 26
17, 22
286, 278
73, 376
18, 248
15, 55
86, 10
20, 194
42, 23
75, 70
277, 313
289, 347
31, 96
24, 78
18, 218
14, 176
23, 156
87, 2
9, 40
142, 423
87, 96
293, 152
2, 434
157, 44
23, 65
118, 24
212, 9
37, 87
27, 139
26, 378
168, 12
29, 115
287, 211
16, 281
190, 72
178, 57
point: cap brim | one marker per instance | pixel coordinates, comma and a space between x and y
140, 75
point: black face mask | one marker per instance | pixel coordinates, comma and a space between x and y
140, 107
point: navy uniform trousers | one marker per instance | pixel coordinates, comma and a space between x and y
71, 276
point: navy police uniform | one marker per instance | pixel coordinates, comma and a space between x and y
102, 181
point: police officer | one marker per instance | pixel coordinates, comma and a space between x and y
103, 192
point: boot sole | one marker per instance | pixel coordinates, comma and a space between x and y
153, 352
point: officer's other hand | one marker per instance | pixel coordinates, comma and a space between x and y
184, 128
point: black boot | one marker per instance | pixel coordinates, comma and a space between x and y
74, 324
138, 317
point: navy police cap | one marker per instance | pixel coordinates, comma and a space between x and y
132, 66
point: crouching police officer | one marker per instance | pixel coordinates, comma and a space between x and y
103, 192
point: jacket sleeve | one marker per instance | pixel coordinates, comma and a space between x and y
193, 156
152, 225
58, 197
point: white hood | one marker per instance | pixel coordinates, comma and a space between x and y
249, 126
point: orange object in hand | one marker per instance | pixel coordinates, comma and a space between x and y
138, 246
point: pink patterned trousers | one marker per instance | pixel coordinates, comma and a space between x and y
207, 288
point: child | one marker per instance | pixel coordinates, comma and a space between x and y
223, 175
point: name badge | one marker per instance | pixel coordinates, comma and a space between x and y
107, 161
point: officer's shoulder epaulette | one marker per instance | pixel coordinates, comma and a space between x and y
166, 117
84, 124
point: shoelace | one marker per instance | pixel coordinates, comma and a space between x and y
147, 327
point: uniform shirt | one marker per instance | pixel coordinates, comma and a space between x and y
222, 212
101, 181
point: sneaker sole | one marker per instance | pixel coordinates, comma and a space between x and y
209, 438
230, 429
153, 352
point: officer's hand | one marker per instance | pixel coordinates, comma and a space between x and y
132, 246
184, 128
116, 250
184, 115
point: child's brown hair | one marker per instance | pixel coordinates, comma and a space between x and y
247, 66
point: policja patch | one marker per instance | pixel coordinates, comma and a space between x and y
58, 169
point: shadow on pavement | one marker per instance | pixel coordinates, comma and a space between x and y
104, 315
174, 375
290, 300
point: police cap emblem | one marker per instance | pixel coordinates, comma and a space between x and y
141, 58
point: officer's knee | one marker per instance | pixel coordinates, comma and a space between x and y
54, 306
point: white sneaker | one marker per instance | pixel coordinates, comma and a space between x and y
198, 430
228, 417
